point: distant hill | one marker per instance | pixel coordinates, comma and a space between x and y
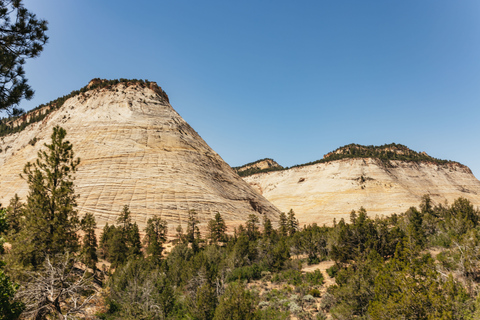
385, 153
383, 179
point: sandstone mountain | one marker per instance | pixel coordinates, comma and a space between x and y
135, 150
384, 180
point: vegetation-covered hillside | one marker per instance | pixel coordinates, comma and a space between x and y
262, 165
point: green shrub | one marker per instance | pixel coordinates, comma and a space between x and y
253, 272
315, 278
332, 271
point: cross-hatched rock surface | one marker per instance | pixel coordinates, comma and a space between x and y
321, 192
135, 150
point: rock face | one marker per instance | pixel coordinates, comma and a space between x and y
135, 150
323, 191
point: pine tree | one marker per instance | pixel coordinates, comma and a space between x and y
124, 221
104, 240
14, 214
252, 227
180, 236
22, 36
155, 237
89, 247
217, 228
51, 220
283, 225
268, 230
119, 243
134, 243
292, 223
193, 232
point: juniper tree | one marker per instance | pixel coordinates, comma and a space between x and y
51, 221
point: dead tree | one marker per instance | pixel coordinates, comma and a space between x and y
60, 289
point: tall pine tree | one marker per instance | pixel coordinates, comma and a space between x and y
51, 221
89, 246
155, 237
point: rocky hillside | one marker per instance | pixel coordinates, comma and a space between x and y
384, 180
135, 150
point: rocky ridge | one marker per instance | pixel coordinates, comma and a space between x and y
330, 189
135, 150
262, 165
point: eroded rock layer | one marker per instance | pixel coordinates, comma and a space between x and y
320, 192
135, 150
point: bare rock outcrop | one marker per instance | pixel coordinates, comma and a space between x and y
135, 150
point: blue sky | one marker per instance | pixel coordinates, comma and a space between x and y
290, 80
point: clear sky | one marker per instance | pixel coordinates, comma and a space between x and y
289, 80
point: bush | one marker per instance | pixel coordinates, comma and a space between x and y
314, 292
253, 272
314, 278
332, 271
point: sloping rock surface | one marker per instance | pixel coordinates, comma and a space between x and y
320, 192
135, 150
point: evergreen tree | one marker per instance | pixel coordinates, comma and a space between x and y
14, 214
180, 236
22, 36
193, 232
415, 231
9, 308
252, 227
117, 247
217, 228
4, 227
205, 302
155, 237
236, 303
292, 223
134, 243
268, 230
104, 239
283, 225
89, 247
51, 220
124, 220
